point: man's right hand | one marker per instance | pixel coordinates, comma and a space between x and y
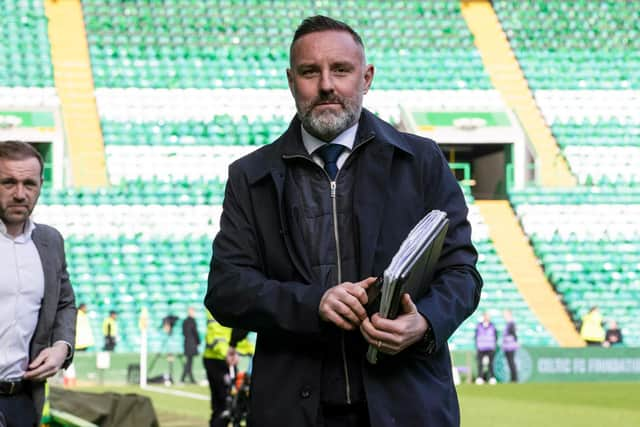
232, 357
343, 305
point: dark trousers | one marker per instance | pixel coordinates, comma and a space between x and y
17, 411
109, 343
356, 415
186, 371
513, 369
216, 373
481, 355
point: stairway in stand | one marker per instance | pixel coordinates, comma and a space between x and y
508, 78
74, 84
517, 255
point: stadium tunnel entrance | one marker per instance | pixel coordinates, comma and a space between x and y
488, 151
487, 169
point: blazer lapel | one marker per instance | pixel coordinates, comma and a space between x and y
47, 305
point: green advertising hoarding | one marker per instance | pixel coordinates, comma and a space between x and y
431, 119
27, 119
553, 364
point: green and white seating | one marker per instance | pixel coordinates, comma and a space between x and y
25, 60
588, 242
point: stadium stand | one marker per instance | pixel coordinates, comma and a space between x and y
588, 242
126, 272
26, 73
580, 59
25, 60
574, 45
183, 91
598, 131
498, 292
208, 45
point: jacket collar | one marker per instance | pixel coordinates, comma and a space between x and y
270, 157
383, 132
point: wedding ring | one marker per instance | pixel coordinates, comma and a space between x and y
379, 344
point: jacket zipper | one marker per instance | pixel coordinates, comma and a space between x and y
336, 234
334, 209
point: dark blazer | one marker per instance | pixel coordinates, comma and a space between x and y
260, 278
191, 337
57, 317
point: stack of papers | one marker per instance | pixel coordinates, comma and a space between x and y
411, 268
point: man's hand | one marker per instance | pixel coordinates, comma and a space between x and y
48, 362
232, 357
343, 305
393, 336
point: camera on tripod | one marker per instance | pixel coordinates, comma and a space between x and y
168, 323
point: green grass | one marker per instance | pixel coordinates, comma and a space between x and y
550, 405
504, 405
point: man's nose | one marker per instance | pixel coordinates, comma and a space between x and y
326, 82
20, 193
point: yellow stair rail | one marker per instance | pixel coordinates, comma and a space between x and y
507, 77
518, 258
74, 84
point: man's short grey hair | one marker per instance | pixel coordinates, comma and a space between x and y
318, 23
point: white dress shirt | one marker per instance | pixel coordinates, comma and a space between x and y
21, 293
346, 138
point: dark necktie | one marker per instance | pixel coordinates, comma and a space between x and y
329, 154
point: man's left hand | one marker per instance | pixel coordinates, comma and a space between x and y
393, 336
47, 363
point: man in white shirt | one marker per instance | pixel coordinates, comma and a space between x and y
37, 309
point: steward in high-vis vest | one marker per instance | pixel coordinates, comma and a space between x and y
222, 345
591, 330
84, 335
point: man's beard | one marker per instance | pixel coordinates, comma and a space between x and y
328, 124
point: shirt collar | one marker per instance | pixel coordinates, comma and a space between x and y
346, 138
24, 237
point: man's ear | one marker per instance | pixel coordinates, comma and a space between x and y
290, 79
368, 77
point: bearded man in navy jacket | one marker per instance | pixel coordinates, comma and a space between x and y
308, 222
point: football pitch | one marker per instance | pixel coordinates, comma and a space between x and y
503, 405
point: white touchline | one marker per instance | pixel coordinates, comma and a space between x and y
176, 392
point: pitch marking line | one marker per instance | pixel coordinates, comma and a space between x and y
176, 392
